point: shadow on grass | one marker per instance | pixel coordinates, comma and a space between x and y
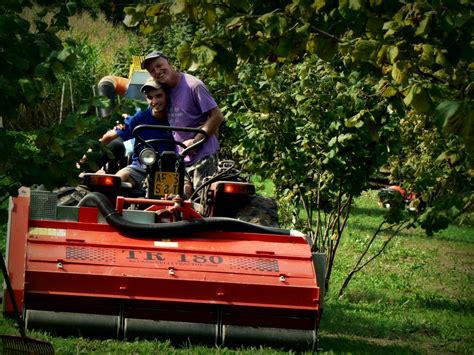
375, 211
346, 327
454, 233
445, 304
351, 320
338, 344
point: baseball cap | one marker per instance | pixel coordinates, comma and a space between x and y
150, 83
153, 55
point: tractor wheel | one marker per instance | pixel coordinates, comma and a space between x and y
260, 210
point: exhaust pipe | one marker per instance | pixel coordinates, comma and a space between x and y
108, 87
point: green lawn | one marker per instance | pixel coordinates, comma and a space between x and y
417, 298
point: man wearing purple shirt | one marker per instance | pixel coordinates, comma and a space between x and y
190, 105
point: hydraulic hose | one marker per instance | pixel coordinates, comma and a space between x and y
173, 229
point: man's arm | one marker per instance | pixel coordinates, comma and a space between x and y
215, 119
108, 137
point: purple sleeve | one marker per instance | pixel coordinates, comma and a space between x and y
203, 98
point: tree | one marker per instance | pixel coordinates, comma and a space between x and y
32, 61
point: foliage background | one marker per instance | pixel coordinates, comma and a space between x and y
318, 96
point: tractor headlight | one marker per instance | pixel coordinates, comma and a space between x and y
147, 156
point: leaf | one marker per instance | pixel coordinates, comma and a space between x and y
355, 120
423, 27
204, 54
393, 53
56, 148
67, 56
131, 20
419, 99
184, 55
441, 58
365, 50
391, 28
129, 10
427, 55
284, 47
455, 117
101, 101
178, 7
319, 4
210, 17
355, 5
83, 109
235, 22
444, 111
400, 71
193, 66
385, 89
155, 10
299, 98
271, 72
134, 15
325, 48
447, 156
312, 44
27, 89
343, 138
146, 29
274, 25
374, 3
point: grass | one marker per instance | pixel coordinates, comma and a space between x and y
416, 298
111, 40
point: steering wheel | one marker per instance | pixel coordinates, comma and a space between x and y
184, 152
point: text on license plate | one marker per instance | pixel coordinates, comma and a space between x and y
166, 183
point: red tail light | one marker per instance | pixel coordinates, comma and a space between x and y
103, 180
233, 188
229, 188
108, 181
98, 181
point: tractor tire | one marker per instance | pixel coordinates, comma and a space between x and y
260, 210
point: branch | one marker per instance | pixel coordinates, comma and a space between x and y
316, 29
340, 227
318, 221
402, 225
359, 265
434, 77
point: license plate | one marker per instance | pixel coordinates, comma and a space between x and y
166, 183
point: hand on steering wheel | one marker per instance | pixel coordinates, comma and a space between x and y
188, 143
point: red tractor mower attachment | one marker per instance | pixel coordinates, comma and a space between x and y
164, 271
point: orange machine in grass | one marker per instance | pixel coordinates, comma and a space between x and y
133, 267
